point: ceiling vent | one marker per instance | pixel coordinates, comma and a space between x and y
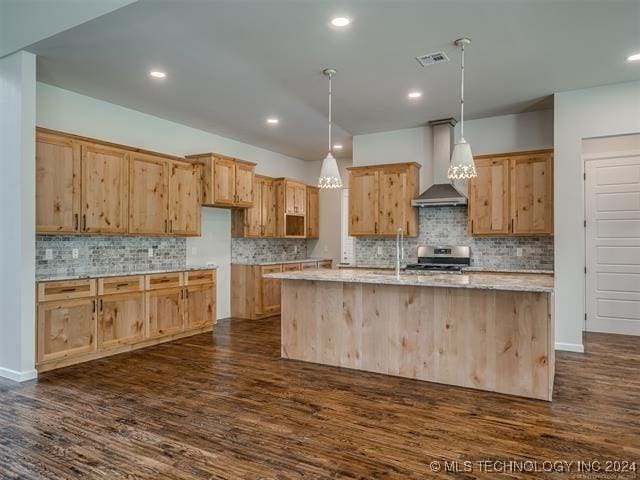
432, 59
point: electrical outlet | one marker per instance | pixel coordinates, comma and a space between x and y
150, 252
48, 254
379, 250
74, 253
295, 249
518, 252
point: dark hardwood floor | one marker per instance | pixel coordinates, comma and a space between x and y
228, 407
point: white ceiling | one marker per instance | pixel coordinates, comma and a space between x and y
230, 64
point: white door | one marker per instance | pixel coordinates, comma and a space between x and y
612, 199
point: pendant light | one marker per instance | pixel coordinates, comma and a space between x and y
329, 173
462, 166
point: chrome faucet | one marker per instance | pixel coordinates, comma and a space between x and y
399, 250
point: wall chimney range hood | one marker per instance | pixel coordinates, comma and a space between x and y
442, 192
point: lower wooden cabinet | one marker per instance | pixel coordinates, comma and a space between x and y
255, 297
78, 321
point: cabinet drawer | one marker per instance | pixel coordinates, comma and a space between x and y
290, 267
199, 277
66, 289
126, 284
309, 265
324, 264
163, 280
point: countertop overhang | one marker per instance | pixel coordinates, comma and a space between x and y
475, 280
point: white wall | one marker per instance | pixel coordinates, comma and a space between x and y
594, 112
17, 216
74, 113
505, 133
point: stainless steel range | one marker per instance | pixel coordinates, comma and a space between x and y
450, 259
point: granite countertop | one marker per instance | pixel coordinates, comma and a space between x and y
493, 281
55, 277
279, 262
471, 269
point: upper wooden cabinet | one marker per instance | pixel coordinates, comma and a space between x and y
295, 197
105, 189
512, 194
57, 184
291, 204
313, 212
226, 181
380, 199
259, 220
87, 186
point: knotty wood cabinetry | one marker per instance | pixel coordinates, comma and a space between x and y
259, 220
380, 199
253, 296
226, 181
79, 320
512, 194
291, 205
87, 186
313, 212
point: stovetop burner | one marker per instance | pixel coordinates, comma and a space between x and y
441, 259
434, 267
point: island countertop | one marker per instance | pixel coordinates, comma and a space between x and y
475, 280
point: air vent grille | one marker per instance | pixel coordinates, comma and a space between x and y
432, 59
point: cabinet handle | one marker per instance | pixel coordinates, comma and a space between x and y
512, 230
101, 305
84, 222
171, 226
375, 227
407, 230
93, 306
186, 293
181, 294
76, 220
166, 227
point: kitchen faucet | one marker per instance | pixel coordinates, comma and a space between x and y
399, 250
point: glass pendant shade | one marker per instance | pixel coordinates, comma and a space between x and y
462, 166
329, 173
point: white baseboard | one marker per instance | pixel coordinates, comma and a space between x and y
570, 347
18, 376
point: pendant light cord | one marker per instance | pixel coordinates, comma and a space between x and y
462, 95
330, 122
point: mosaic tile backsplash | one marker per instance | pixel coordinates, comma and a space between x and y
448, 226
248, 250
100, 254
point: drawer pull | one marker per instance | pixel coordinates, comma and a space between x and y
164, 280
67, 290
122, 285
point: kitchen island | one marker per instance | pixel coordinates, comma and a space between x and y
491, 332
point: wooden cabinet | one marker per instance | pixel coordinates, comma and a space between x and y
148, 195
512, 194
291, 205
380, 199
77, 321
489, 197
269, 290
88, 186
295, 197
291, 267
226, 181
57, 184
313, 212
259, 220
184, 199
105, 189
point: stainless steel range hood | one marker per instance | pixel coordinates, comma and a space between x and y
442, 192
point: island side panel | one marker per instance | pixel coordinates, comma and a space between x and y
485, 339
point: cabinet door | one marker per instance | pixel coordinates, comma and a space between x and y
300, 199
532, 195
200, 306
393, 196
120, 319
184, 199
148, 197
363, 202
313, 212
66, 328
164, 312
268, 214
105, 189
489, 198
224, 181
244, 184
57, 184
290, 198
269, 289
253, 214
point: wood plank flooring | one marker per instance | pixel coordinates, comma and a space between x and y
227, 407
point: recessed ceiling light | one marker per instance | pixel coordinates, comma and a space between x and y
157, 74
340, 21
633, 58
273, 121
414, 94
337, 146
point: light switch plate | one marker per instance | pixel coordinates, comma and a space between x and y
295, 249
379, 250
48, 254
150, 252
74, 252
